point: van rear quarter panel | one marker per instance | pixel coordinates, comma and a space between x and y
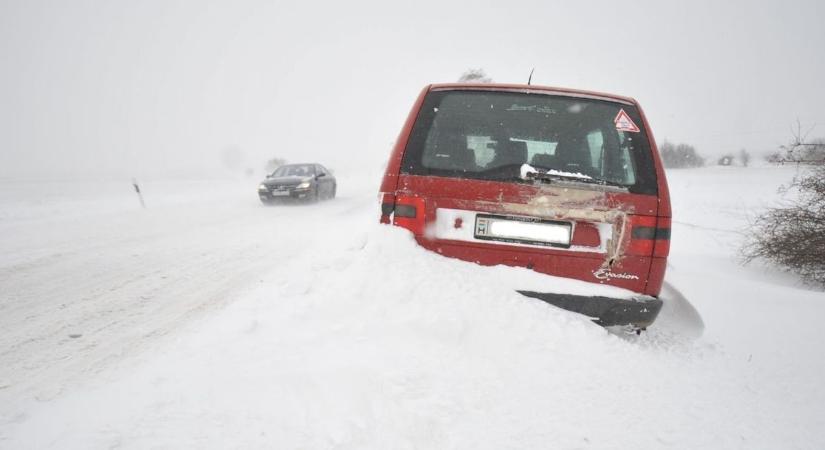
658, 266
661, 180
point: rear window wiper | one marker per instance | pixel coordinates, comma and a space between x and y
530, 173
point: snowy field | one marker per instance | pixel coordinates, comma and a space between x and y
210, 321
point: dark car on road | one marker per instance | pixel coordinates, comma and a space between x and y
564, 182
308, 182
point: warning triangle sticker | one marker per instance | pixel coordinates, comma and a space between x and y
625, 123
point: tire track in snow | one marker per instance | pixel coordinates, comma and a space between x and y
129, 290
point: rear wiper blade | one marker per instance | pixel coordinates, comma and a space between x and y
563, 177
530, 173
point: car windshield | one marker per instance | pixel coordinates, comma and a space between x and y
490, 135
295, 170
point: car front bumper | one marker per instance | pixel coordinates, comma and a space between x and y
293, 193
639, 311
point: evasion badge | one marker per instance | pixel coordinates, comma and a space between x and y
606, 274
625, 123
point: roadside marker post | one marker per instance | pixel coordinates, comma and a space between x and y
137, 190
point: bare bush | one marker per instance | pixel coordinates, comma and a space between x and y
793, 236
800, 150
744, 157
815, 152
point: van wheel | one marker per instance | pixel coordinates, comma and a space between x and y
332, 193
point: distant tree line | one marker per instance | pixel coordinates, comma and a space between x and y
678, 156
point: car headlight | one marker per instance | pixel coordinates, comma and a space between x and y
303, 185
261, 187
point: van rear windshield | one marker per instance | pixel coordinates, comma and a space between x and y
489, 136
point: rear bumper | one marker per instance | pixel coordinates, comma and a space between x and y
563, 263
639, 311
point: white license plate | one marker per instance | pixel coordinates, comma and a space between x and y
279, 193
523, 230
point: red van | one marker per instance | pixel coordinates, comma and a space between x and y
563, 182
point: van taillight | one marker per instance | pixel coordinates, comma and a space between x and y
649, 236
662, 248
405, 211
387, 206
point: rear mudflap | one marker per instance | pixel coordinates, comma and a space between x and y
639, 311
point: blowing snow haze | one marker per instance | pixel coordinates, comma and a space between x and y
525, 275
195, 89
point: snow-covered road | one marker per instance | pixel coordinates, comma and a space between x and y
208, 321
84, 283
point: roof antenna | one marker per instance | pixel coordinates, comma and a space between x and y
530, 78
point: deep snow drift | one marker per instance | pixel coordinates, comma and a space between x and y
208, 321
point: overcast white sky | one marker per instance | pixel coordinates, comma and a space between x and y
183, 88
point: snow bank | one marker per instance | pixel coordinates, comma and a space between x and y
361, 339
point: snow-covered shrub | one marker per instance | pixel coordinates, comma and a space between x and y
800, 150
726, 160
793, 235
